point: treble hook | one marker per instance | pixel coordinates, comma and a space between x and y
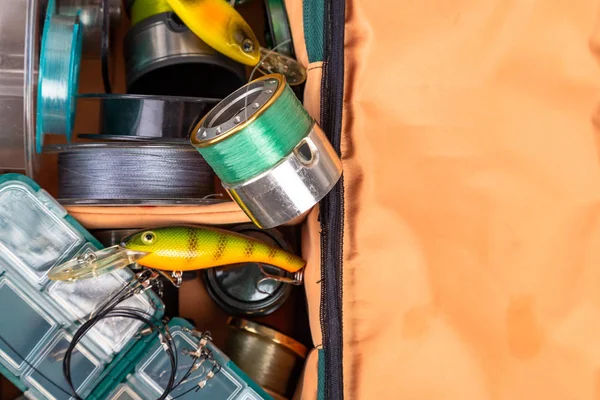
296, 279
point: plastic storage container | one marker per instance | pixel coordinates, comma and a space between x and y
38, 317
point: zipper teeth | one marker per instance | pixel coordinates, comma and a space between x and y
332, 207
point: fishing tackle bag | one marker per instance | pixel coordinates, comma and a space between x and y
458, 257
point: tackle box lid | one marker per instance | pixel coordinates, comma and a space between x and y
37, 234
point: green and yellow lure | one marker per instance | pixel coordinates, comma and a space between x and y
177, 248
181, 248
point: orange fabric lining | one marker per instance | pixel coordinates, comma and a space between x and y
139, 217
312, 91
307, 385
472, 219
111, 217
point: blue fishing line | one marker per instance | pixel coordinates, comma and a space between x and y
58, 80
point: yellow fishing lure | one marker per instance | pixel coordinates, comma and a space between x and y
181, 248
219, 25
177, 248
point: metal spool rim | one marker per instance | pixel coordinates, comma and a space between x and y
269, 334
181, 48
229, 117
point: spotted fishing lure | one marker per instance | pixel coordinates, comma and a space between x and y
177, 248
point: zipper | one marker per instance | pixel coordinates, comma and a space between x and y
332, 206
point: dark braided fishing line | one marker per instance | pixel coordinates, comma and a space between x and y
133, 175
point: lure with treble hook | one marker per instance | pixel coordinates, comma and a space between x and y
218, 24
177, 248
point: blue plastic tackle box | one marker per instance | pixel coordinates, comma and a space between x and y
38, 317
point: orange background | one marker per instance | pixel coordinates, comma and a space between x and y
472, 223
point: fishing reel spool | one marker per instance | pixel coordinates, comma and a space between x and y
58, 79
121, 173
271, 156
72, 29
143, 159
164, 57
270, 358
146, 118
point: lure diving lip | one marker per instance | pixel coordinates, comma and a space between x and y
177, 248
92, 264
218, 24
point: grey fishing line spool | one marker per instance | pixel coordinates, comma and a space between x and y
163, 57
271, 156
145, 118
132, 174
270, 358
240, 289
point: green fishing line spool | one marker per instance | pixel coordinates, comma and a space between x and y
58, 79
271, 156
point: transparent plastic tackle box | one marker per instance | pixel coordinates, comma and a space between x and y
38, 317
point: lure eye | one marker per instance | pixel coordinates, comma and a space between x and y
148, 237
248, 46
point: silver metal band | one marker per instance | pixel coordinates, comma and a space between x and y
157, 42
293, 186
